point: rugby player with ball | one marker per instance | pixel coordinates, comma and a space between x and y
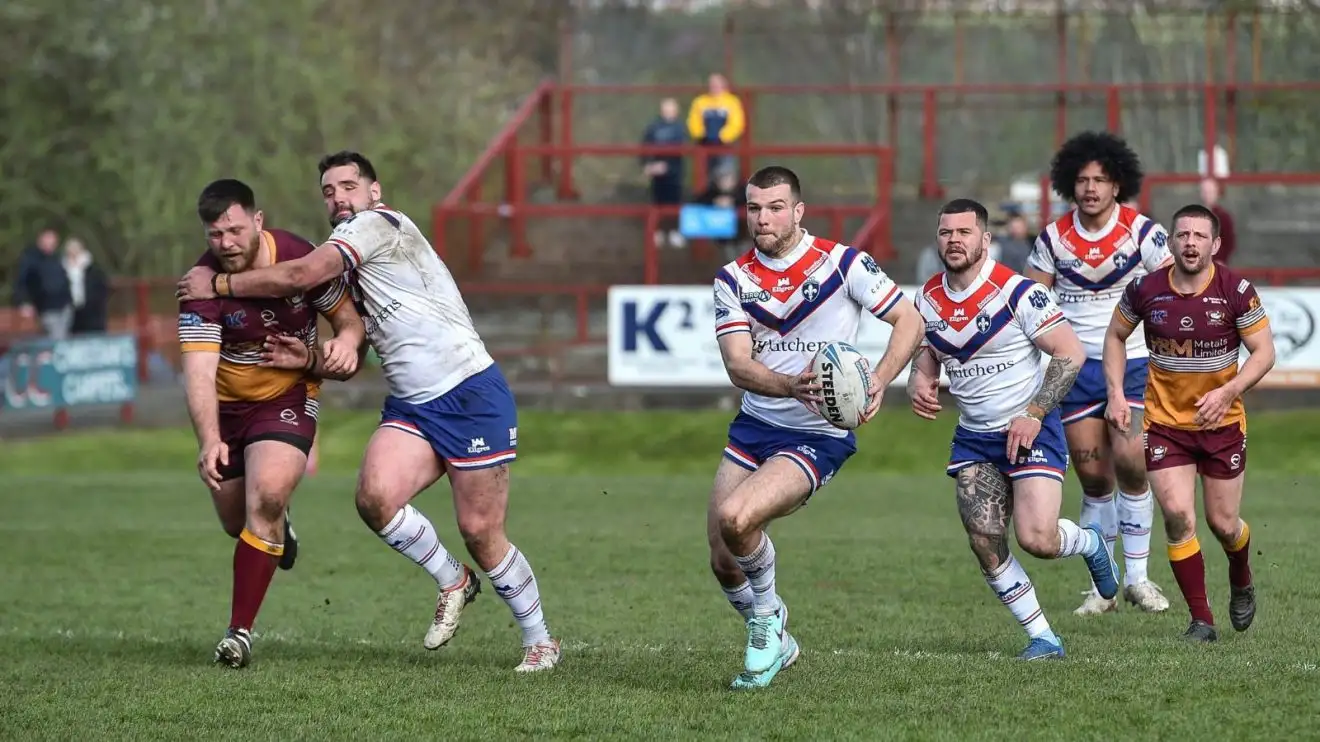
776, 309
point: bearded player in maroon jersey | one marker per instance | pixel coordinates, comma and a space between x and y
1197, 317
255, 417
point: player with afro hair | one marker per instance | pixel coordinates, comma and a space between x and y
1116, 160
1089, 256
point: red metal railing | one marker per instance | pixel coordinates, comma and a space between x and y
1218, 101
516, 209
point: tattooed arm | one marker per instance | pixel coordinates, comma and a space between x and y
1066, 359
985, 505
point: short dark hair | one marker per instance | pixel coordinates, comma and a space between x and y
774, 175
1198, 211
967, 206
1115, 157
217, 197
347, 157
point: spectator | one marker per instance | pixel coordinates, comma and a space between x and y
1227, 233
728, 192
89, 289
42, 286
1016, 244
666, 172
717, 119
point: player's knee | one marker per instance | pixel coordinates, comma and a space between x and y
374, 509
1095, 480
990, 550
735, 521
1130, 470
1223, 525
1179, 526
480, 528
1042, 543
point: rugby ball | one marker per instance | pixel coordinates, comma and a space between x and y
844, 376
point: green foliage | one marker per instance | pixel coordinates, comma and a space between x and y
118, 113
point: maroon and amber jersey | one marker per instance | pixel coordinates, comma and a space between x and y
237, 328
1194, 340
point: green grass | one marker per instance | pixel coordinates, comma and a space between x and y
116, 587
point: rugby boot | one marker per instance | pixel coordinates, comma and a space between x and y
1200, 631
540, 656
1242, 606
1104, 573
235, 649
1147, 596
1041, 648
787, 657
449, 608
765, 640
1094, 605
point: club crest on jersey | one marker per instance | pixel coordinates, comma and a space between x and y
1120, 260
810, 289
982, 323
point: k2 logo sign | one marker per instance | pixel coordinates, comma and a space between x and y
639, 324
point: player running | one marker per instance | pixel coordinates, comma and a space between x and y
775, 307
1197, 315
449, 409
989, 327
255, 423
1088, 256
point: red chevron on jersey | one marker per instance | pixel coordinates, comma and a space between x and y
783, 283
1095, 252
958, 313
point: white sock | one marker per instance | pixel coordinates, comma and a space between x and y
514, 582
1102, 511
411, 534
741, 598
1015, 591
759, 566
1136, 516
1074, 540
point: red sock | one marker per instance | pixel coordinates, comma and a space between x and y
254, 566
1189, 570
1239, 559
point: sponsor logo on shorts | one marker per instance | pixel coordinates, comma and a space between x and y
288, 416
477, 445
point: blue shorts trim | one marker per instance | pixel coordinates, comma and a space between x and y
752, 442
472, 426
1089, 397
1049, 452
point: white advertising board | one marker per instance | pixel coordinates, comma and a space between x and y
664, 336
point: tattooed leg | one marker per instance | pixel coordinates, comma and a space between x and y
985, 504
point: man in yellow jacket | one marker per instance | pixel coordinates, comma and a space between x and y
716, 118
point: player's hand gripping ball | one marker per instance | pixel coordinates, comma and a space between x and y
844, 376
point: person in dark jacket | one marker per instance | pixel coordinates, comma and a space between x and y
666, 172
89, 288
41, 287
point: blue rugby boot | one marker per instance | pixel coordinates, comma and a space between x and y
765, 640
787, 657
1104, 573
1041, 648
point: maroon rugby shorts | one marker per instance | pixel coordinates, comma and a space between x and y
1218, 453
287, 418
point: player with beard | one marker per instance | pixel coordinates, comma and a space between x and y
449, 409
1197, 316
1088, 257
254, 418
775, 307
991, 329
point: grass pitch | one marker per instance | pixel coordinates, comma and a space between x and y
116, 588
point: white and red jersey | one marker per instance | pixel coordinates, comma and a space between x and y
415, 317
985, 339
1091, 269
795, 305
